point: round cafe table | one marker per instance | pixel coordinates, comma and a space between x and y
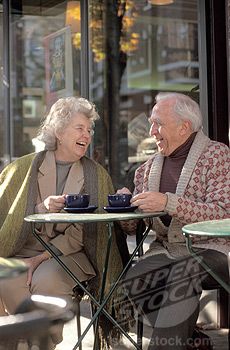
211, 228
10, 267
109, 219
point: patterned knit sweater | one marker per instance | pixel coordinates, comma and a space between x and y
202, 193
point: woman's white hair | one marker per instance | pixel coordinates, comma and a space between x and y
59, 116
185, 108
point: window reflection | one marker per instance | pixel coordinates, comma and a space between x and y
2, 133
136, 50
148, 48
45, 66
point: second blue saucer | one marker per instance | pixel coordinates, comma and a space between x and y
120, 209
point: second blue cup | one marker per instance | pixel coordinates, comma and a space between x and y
119, 200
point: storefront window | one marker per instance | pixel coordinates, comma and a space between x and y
44, 65
2, 134
133, 50
138, 49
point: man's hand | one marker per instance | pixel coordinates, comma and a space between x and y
33, 263
54, 204
123, 190
150, 202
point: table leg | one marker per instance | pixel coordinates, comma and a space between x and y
204, 265
103, 282
76, 280
102, 305
101, 308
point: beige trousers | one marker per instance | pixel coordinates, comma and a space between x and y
48, 279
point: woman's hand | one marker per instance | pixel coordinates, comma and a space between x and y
54, 204
33, 263
150, 202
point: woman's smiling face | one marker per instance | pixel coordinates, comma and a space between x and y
74, 139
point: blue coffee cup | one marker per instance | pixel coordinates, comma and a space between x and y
77, 200
119, 200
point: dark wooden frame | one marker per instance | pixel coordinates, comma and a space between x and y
228, 60
217, 70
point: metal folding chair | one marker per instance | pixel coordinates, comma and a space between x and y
32, 326
77, 296
32, 321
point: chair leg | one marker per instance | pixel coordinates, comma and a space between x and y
140, 326
78, 319
224, 308
228, 320
224, 302
139, 331
93, 310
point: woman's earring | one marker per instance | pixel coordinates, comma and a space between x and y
59, 142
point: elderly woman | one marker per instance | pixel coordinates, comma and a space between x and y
38, 183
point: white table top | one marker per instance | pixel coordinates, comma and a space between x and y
86, 218
213, 228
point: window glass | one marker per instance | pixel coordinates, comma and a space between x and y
137, 50
2, 134
45, 65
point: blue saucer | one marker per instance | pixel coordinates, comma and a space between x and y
89, 209
120, 209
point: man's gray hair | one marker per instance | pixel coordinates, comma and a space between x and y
185, 108
59, 116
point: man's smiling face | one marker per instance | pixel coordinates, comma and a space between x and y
166, 128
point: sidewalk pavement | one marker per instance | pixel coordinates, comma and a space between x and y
218, 336
70, 334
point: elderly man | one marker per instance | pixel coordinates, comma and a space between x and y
188, 178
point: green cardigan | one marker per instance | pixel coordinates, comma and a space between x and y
18, 195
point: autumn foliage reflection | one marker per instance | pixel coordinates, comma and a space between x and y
125, 10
